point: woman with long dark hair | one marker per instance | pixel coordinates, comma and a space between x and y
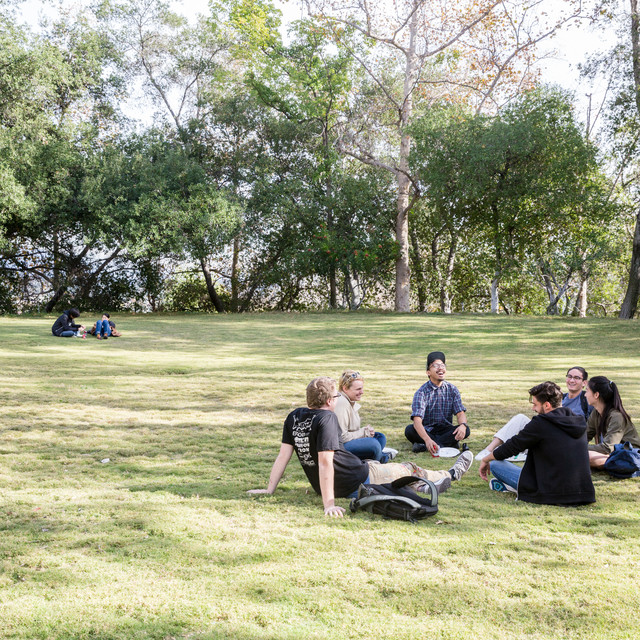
609, 424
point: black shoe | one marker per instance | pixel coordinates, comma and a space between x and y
419, 447
105, 337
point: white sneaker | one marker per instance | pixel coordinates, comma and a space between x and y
392, 453
462, 465
482, 455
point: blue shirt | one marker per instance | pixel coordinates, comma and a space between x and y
575, 404
436, 405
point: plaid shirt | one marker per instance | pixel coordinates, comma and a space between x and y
436, 405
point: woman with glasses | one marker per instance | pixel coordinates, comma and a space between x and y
609, 424
364, 442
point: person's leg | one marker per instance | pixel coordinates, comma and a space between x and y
412, 435
507, 472
67, 334
107, 328
597, 459
443, 435
365, 448
512, 428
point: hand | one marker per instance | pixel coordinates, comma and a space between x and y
432, 447
369, 431
460, 432
485, 470
258, 491
334, 511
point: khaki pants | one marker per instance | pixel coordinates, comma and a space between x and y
383, 473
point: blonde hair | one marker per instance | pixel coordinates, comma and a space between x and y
320, 391
348, 377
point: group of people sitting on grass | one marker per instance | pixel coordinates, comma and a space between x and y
66, 327
337, 454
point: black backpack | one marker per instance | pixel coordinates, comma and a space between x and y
394, 500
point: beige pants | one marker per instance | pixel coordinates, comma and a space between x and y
383, 473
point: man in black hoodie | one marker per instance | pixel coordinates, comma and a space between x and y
557, 467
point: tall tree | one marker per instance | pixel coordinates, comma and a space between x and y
478, 51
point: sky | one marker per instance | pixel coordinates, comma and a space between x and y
571, 45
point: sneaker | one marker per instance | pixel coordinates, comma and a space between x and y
482, 455
105, 337
462, 465
442, 485
98, 336
391, 453
496, 485
419, 447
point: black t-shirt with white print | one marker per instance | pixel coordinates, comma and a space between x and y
311, 430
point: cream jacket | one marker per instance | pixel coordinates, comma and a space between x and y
348, 419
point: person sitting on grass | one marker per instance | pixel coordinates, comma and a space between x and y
609, 424
65, 327
434, 404
556, 470
104, 328
313, 433
575, 399
364, 442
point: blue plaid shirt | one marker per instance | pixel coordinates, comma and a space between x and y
436, 405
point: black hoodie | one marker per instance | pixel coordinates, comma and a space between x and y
64, 323
557, 467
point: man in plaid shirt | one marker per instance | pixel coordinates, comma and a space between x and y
434, 404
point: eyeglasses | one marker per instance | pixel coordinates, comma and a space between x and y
438, 366
354, 375
575, 378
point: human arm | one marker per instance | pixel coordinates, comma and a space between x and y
525, 439
345, 414
460, 433
325, 468
616, 429
277, 471
485, 469
422, 432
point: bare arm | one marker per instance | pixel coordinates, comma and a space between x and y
325, 464
461, 430
277, 471
485, 470
420, 430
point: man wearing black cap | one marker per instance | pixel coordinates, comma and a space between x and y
434, 404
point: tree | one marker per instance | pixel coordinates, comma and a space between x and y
414, 51
526, 179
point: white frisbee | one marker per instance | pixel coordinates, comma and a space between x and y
448, 452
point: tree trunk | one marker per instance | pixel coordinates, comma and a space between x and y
234, 274
495, 301
403, 271
630, 304
353, 290
580, 307
446, 298
60, 291
211, 289
418, 270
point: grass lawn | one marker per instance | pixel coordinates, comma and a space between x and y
124, 467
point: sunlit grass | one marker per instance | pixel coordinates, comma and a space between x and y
161, 541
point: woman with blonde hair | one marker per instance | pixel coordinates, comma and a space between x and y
364, 442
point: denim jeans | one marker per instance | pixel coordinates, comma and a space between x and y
507, 472
103, 328
369, 448
68, 334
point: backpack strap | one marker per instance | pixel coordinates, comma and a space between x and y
584, 404
399, 483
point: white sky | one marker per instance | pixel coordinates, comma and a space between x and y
572, 45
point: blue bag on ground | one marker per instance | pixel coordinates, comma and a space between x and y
624, 461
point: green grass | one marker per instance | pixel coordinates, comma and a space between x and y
163, 542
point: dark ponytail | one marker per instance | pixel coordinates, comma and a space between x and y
608, 393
